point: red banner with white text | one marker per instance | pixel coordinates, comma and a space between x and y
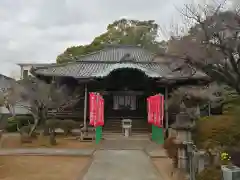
92, 108
96, 109
100, 121
156, 110
150, 110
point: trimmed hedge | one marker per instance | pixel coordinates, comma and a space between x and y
220, 130
18, 120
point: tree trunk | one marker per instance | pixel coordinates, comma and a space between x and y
52, 138
45, 131
43, 117
33, 128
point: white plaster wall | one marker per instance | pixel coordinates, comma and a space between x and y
18, 110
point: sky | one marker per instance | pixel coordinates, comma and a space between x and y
36, 31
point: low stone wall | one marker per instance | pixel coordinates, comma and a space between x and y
200, 159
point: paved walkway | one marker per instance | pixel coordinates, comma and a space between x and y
121, 165
124, 144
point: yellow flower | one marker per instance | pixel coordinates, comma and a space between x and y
225, 156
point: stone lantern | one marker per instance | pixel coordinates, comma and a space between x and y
183, 127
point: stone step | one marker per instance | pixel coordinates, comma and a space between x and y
115, 125
133, 129
120, 124
116, 122
120, 130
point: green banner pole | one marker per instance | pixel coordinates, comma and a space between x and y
157, 135
98, 134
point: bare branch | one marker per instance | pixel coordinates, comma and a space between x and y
212, 45
37, 97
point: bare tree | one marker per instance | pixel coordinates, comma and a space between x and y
37, 97
212, 44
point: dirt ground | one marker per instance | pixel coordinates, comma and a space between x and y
13, 141
164, 166
42, 168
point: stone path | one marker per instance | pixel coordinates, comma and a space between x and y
121, 165
124, 144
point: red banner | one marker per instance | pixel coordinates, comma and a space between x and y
159, 103
150, 110
156, 110
96, 110
101, 111
92, 108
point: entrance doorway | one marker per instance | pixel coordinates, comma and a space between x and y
125, 94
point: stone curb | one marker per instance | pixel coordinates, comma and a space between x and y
47, 152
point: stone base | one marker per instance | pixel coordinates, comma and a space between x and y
231, 173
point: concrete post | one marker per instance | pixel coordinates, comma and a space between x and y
201, 161
85, 106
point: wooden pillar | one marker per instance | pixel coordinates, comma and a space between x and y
54, 82
85, 106
166, 109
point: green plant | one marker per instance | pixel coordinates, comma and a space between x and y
215, 131
220, 130
18, 121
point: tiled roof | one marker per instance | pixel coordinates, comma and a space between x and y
102, 63
89, 69
116, 53
98, 70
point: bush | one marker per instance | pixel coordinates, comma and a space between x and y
211, 173
11, 128
222, 130
232, 106
19, 121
